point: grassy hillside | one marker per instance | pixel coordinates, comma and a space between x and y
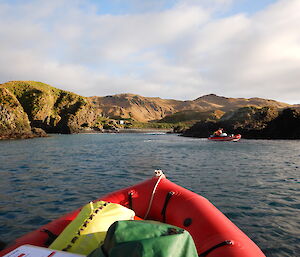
190, 115
146, 109
51, 109
135, 107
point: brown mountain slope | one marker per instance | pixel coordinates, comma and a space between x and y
154, 108
136, 107
228, 104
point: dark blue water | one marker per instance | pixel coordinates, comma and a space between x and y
256, 183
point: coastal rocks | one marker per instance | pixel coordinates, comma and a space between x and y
83, 119
252, 122
38, 105
285, 126
201, 129
248, 120
38, 132
268, 123
14, 122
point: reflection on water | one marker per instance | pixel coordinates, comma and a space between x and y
254, 182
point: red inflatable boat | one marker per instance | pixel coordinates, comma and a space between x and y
226, 138
161, 200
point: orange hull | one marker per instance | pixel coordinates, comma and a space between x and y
214, 234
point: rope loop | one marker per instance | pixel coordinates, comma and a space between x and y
160, 175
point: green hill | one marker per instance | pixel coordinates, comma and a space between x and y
192, 116
49, 108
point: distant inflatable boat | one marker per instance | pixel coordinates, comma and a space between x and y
225, 138
161, 200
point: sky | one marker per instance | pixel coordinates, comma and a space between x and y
179, 49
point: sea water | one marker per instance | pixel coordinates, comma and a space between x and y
255, 183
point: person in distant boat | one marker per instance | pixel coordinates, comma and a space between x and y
218, 132
223, 134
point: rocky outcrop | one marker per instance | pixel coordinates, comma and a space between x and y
285, 126
249, 118
252, 122
26, 105
14, 122
85, 118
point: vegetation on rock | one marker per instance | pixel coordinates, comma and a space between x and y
192, 116
14, 121
47, 108
252, 122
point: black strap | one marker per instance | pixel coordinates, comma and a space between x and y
104, 251
2, 245
164, 209
227, 242
51, 237
130, 194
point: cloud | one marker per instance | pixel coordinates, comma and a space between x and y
172, 49
268, 53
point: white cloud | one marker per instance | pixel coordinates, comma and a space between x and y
180, 52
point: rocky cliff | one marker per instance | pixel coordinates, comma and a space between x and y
27, 104
14, 121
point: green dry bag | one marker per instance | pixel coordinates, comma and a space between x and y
146, 239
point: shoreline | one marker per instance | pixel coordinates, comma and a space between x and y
119, 131
144, 130
125, 131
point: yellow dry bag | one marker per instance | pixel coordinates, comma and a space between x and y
88, 229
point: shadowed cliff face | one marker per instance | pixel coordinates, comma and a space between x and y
45, 107
14, 121
285, 126
251, 122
